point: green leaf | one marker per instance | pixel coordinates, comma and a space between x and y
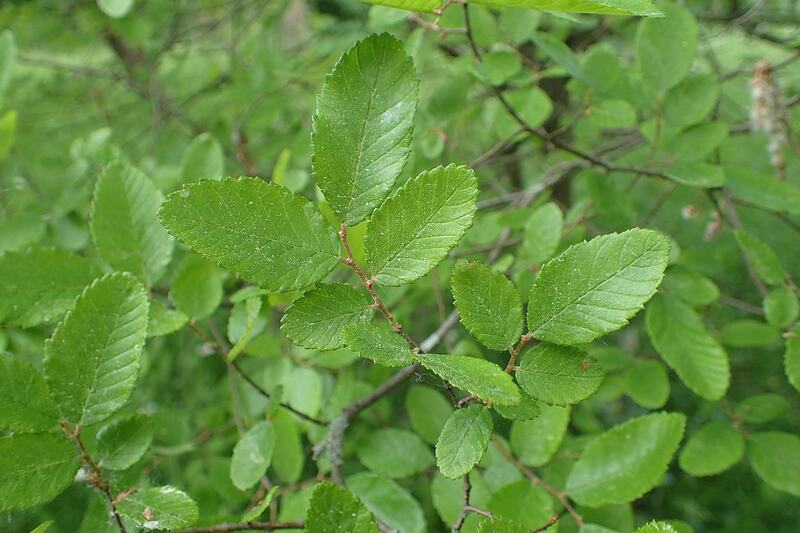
203, 158
428, 412
197, 287
762, 408
162, 508
501, 525
418, 225
536, 441
712, 449
522, 502
496, 67
763, 190
243, 323
558, 375
690, 101
488, 303
480, 377
775, 457
258, 509
679, 335
41, 528
763, 258
252, 455
8, 132
695, 143
40, 284
747, 333
781, 307
125, 225
463, 440
316, 319
559, 52
426, 6
8, 56
526, 409
25, 403
543, 232
363, 126
261, 231
388, 501
115, 8
696, 174
334, 509
643, 8
163, 321
288, 457
393, 452
690, 286
595, 287
122, 443
656, 527
92, 359
378, 343
531, 103
612, 114
626, 461
34, 468
666, 47
791, 361
647, 383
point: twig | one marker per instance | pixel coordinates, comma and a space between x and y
369, 284
246, 526
514, 352
95, 474
553, 519
220, 350
536, 480
463, 516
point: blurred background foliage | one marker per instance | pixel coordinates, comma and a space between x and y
203, 88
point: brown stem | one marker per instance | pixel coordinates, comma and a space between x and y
463, 516
553, 519
246, 526
369, 284
514, 352
95, 474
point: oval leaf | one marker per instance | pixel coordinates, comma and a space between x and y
559, 375
463, 440
480, 377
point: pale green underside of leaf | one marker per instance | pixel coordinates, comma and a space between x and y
334, 509
417, 226
363, 126
261, 231
388, 501
125, 225
258, 509
161, 508
595, 287
123, 442
775, 457
380, 344
679, 335
25, 403
34, 468
480, 377
252, 455
526, 409
40, 284
712, 449
394, 452
316, 319
488, 303
92, 359
558, 375
463, 440
626, 461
